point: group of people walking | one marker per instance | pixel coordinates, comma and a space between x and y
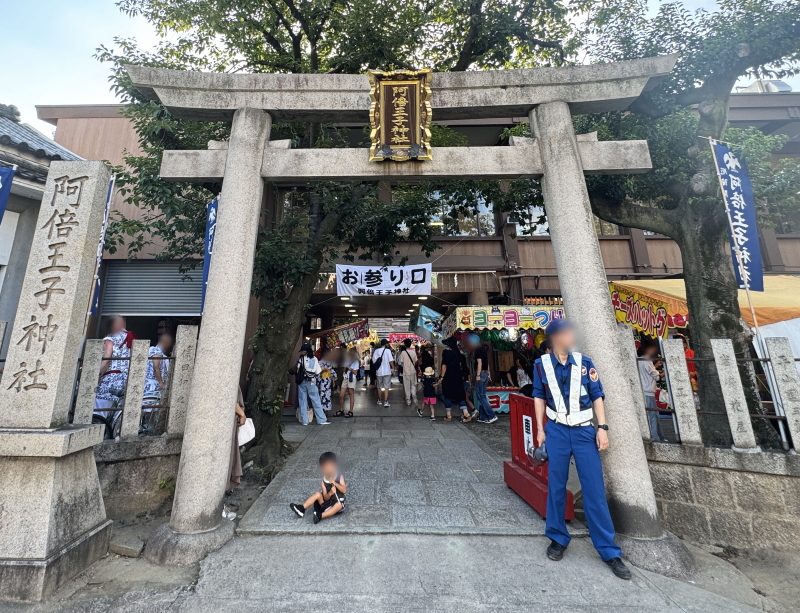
463, 375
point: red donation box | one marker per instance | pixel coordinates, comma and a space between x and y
527, 480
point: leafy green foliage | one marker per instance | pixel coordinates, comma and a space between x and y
753, 38
331, 36
776, 182
681, 198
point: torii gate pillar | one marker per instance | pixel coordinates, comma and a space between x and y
582, 278
196, 525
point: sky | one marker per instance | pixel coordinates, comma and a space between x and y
52, 43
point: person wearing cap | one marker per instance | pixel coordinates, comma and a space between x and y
567, 388
308, 371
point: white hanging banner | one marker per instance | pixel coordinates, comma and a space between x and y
411, 280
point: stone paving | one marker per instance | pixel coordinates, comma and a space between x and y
404, 474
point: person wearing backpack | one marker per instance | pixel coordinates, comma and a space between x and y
407, 359
383, 360
306, 377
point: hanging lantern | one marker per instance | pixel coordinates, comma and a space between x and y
527, 341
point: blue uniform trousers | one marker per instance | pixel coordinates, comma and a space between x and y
563, 442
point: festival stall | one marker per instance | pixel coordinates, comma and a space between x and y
363, 344
642, 304
506, 330
656, 306
650, 313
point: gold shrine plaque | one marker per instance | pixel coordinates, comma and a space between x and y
400, 115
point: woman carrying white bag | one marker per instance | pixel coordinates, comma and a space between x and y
235, 466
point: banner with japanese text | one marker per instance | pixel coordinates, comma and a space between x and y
499, 398
6, 178
399, 337
344, 335
411, 280
208, 246
741, 207
499, 317
640, 311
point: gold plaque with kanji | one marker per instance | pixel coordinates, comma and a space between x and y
400, 115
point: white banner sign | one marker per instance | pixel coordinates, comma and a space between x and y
410, 280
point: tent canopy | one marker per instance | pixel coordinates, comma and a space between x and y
780, 300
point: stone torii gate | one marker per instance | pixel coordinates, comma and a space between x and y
549, 97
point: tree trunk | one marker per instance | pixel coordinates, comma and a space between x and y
273, 350
712, 298
699, 226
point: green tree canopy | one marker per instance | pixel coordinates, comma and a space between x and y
680, 198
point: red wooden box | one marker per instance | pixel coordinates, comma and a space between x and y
529, 481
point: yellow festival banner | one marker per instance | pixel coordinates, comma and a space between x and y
640, 311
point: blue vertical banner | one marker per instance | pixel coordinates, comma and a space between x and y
208, 246
95, 305
741, 208
6, 178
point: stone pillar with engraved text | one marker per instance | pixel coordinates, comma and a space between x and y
49, 491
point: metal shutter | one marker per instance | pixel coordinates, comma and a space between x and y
150, 288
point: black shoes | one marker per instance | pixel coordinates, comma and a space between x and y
298, 510
618, 568
555, 551
317, 512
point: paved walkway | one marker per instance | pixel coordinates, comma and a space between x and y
430, 527
405, 573
404, 474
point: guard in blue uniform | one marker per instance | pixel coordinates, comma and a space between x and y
567, 388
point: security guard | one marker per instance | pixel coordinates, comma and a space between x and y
567, 388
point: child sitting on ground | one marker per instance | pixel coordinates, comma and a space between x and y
330, 499
428, 392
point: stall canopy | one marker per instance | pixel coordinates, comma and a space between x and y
780, 300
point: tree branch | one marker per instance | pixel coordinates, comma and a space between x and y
296, 38
546, 44
631, 215
465, 56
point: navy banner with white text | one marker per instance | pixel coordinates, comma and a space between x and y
740, 204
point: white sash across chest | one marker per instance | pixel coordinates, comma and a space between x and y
561, 415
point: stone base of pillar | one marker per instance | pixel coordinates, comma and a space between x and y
168, 548
52, 520
667, 555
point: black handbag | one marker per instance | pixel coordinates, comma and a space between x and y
300, 375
